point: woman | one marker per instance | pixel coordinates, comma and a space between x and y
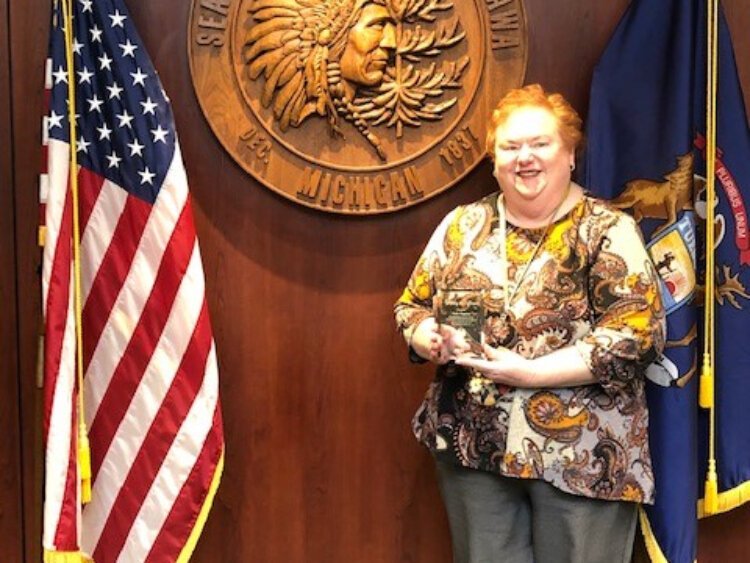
541, 443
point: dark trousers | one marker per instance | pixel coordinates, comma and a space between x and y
495, 519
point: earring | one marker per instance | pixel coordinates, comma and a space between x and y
572, 166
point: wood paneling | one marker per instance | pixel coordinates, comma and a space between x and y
724, 538
11, 526
29, 27
738, 19
317, 393
567, 38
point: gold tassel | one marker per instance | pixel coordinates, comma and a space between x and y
711, 495
84, 464
706, 392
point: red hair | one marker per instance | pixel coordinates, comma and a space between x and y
533, 95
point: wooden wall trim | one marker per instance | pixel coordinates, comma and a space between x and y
11, 506
28, 25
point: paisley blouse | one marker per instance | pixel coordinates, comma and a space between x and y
586, 281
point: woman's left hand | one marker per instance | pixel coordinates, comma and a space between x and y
561, 368
501, 365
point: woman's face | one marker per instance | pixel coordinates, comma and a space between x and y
531, 160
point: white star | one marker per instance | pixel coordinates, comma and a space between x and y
86, 6
60, 75
128, 49
83, 145
84, 76
146, 176
138, 77
125, 119
149, 106
105, 62
104, 132
135, 148
159, 134
77, 46
95, 104
54, 120
96, 33
114, 91
114, 160
117, 19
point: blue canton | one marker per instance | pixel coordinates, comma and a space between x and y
125, 128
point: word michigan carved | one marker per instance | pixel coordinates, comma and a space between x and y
355, 106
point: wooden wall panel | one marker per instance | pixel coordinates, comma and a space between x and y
317, 393
11, 526
737, 14
29, 28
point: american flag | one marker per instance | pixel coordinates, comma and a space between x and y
150, 389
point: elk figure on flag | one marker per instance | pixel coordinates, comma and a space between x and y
129, 357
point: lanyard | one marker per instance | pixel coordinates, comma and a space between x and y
504, 250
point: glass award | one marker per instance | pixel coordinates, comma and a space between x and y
463, 310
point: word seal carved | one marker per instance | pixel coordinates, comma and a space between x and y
355, 106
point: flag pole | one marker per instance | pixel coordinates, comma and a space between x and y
84, 451
707, 398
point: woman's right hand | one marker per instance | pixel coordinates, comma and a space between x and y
438, 343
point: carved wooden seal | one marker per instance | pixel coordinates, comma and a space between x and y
355, 106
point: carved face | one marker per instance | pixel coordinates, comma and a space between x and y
368, 46
531, 160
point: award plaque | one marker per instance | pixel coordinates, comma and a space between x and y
463, 310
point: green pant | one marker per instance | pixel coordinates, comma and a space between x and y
497, 519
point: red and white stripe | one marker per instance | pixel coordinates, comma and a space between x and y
62, 495
151, 383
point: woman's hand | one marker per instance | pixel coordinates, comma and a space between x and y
561, 368
501, 365
438, 343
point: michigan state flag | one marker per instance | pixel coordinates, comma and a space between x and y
646, 153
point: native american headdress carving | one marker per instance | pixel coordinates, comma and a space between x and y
296, 45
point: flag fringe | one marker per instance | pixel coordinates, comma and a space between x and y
187, 550
727, 500
66, 557
652, 545
655, 554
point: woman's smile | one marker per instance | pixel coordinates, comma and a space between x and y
531, 159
